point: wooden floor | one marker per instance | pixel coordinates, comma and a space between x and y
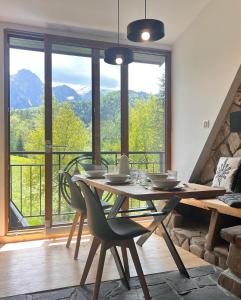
42, 265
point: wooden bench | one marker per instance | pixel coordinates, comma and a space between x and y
217, 208
213, 204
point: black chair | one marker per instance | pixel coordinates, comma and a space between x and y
76, 166
77, 202
110, 233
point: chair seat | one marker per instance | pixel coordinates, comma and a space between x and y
126, 228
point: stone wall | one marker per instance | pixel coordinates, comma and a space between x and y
192, 236
226, 144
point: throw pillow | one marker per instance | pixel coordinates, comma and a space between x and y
226, 169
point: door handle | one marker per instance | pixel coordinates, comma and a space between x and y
49, 146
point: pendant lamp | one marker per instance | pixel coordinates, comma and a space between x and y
145, 30
118, 55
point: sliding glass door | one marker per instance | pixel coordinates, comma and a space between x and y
147, 110
26, 133
71, 118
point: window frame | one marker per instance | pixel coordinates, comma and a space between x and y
97, 47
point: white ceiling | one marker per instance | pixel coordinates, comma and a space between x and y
79, 15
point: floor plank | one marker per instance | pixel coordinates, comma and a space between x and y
29, 267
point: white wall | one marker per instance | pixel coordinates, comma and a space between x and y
205, 61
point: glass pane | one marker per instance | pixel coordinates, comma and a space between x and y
30, 44
147, 115
110, 115
26, 138
146, 118
71, 119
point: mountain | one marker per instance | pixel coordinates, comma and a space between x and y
26, 90
65, 93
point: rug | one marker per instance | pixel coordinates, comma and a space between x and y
202, 285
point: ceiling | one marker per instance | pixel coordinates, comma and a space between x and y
101, 15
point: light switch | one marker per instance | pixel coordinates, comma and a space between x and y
206, 124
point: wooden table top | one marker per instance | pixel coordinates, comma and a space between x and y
139, 192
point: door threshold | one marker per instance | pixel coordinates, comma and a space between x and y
38, 234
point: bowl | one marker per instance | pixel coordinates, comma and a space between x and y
95, 173
165, 184
117, 178
157, 176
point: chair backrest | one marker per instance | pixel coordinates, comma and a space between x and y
76, 166
76, 199
97, 222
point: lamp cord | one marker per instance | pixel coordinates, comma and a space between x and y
118, 22
145, 9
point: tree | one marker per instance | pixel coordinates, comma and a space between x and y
19, 144
147, 128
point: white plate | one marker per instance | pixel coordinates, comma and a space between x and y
128, 181
165, 184
95, 173
157, 176
117, 178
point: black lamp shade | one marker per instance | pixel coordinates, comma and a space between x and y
154, 27
115, 52
235, 121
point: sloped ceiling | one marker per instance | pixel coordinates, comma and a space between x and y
100, 15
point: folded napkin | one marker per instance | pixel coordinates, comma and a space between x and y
233, 200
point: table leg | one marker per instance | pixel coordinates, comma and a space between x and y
120, 268
117, 206
174, 252
142, 239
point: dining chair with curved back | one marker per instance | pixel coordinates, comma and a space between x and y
109, 233
75, 166
77, 202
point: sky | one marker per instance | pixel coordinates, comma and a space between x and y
75, 71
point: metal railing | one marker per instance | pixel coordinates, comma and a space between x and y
27, 181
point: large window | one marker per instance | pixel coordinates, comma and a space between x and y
64, 102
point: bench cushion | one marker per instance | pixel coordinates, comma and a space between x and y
233, 200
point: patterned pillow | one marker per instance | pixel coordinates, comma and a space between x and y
226, 169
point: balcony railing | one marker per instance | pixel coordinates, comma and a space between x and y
27, 183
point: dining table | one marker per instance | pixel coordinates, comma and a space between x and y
148, 193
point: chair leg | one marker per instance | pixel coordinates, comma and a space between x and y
125, 261
99, 270
75, 221
93, 249
152, 227
138, 268
81, 223
121, 271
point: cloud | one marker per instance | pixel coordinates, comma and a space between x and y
108, 83
84, 79
67, 76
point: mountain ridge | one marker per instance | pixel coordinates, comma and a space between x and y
27, 90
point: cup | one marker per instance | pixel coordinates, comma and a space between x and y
134, 174
142, 178
113, 169
172, 174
